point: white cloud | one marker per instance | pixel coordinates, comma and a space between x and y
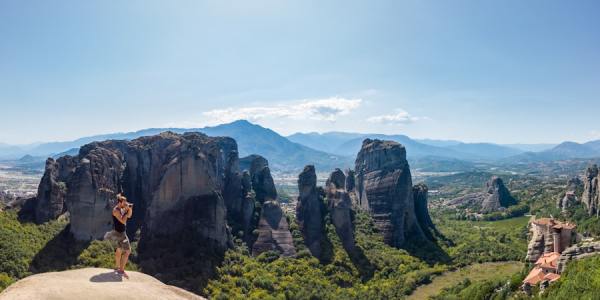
400, 117
328, 109
594, 134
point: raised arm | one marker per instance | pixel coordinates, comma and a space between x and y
117, 213
129, 211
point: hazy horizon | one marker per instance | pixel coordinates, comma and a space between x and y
284, 135
500, 72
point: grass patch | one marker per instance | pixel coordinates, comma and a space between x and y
472, 273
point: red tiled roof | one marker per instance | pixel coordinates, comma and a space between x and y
552, 277
554, 223
548, 260
535, 276
543, 221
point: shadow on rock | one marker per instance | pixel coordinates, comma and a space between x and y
106, 277
58, 254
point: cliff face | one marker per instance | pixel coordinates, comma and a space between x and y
309, 211
570, 197
591, 195
494, 197
498, 196
172, 180
548, 235
384, 188
420, 193
273, 228
52, 192
340, 207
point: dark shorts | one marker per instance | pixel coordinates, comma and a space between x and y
118, 239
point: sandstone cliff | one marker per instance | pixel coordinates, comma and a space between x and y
498, 196
340, 208
591, 194
309, 211
384, 188
273, 228
570, 197
577, 252
494, 197
181, 187
422, 211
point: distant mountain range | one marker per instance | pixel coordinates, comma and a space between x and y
347, 143
331, 149
252, 139
565, 150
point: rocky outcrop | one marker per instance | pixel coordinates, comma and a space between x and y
260, 176
384, 188
422, 211
273, 227
93, 283
537, 243
591, 194
340, 208
494, 197
52, 192
309, 211
176, 183
577, 252
498, 196
548, 235
248, 206
570, 198
273, 231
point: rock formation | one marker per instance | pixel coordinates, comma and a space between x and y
273, 228
591, 194
494, 197
570, 198
548, 235
52, 193
177, 184
384, 188
340, 208
577, 252
498, 196
422, 211
309, 211
260, 177
93, 283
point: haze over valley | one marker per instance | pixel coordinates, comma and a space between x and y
299, 150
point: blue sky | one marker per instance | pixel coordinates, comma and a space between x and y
494, 71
